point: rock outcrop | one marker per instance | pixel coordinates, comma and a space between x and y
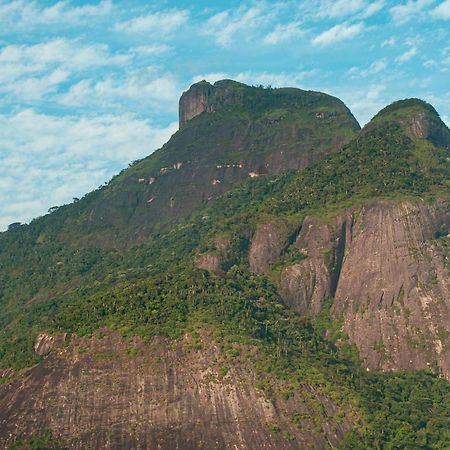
195, 101
394, 286
305, 286
108, 392
46, 342
386, 266
270, 240
210, 263
229, 132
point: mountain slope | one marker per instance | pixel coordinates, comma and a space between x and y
243, 132
246, 243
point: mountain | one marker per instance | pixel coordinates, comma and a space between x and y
305, 308
228, 133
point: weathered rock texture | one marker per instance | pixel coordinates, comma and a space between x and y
388, 275
195, 101
210, 263
393, 289
304, 286
270, 240
45, 342
245, 132
110, 393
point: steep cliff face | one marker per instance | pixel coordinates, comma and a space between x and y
386, 266
195, 101
305, 286
393, 289
362, 229
246, 132
107, 392
269, 242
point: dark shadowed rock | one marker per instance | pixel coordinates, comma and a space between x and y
304, 286
268, 243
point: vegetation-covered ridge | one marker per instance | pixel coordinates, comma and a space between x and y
155, 289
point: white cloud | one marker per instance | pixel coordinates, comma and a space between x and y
231, 24
338, 33
335, 9
151, 50
372, 9
32, 89
389, 42
442, 11
364, 103
376, 67
283, 33
30, 72
412, 9
144, 88
20, 14
48, 159
406, 56
17, 60
161, 23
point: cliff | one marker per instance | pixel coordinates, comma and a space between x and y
291, 310
244, 133
106, 392
385, 266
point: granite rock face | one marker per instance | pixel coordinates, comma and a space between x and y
229, 133
394, 286
306, 285
270, 240
107, 392
195, 101
386, 267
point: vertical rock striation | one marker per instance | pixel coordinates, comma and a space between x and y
386, 266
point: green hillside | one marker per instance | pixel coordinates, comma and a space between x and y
55, 283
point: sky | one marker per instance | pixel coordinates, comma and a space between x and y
87, 87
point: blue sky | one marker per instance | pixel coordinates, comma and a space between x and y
86, 87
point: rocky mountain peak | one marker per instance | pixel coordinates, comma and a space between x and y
194, 101
205, 97
418, 120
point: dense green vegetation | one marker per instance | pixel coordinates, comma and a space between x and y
43, 442
154, 288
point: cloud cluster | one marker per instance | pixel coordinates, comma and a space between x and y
26, 14
340, 32
30, 72
87, 86
282, 79
49, 159
230, 25
161, 23
412, 9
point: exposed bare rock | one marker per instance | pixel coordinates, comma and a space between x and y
222, 139
195, 101
210, 263
111, 393
393, 289
45, 342
269, 242
304, 286
389, 277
